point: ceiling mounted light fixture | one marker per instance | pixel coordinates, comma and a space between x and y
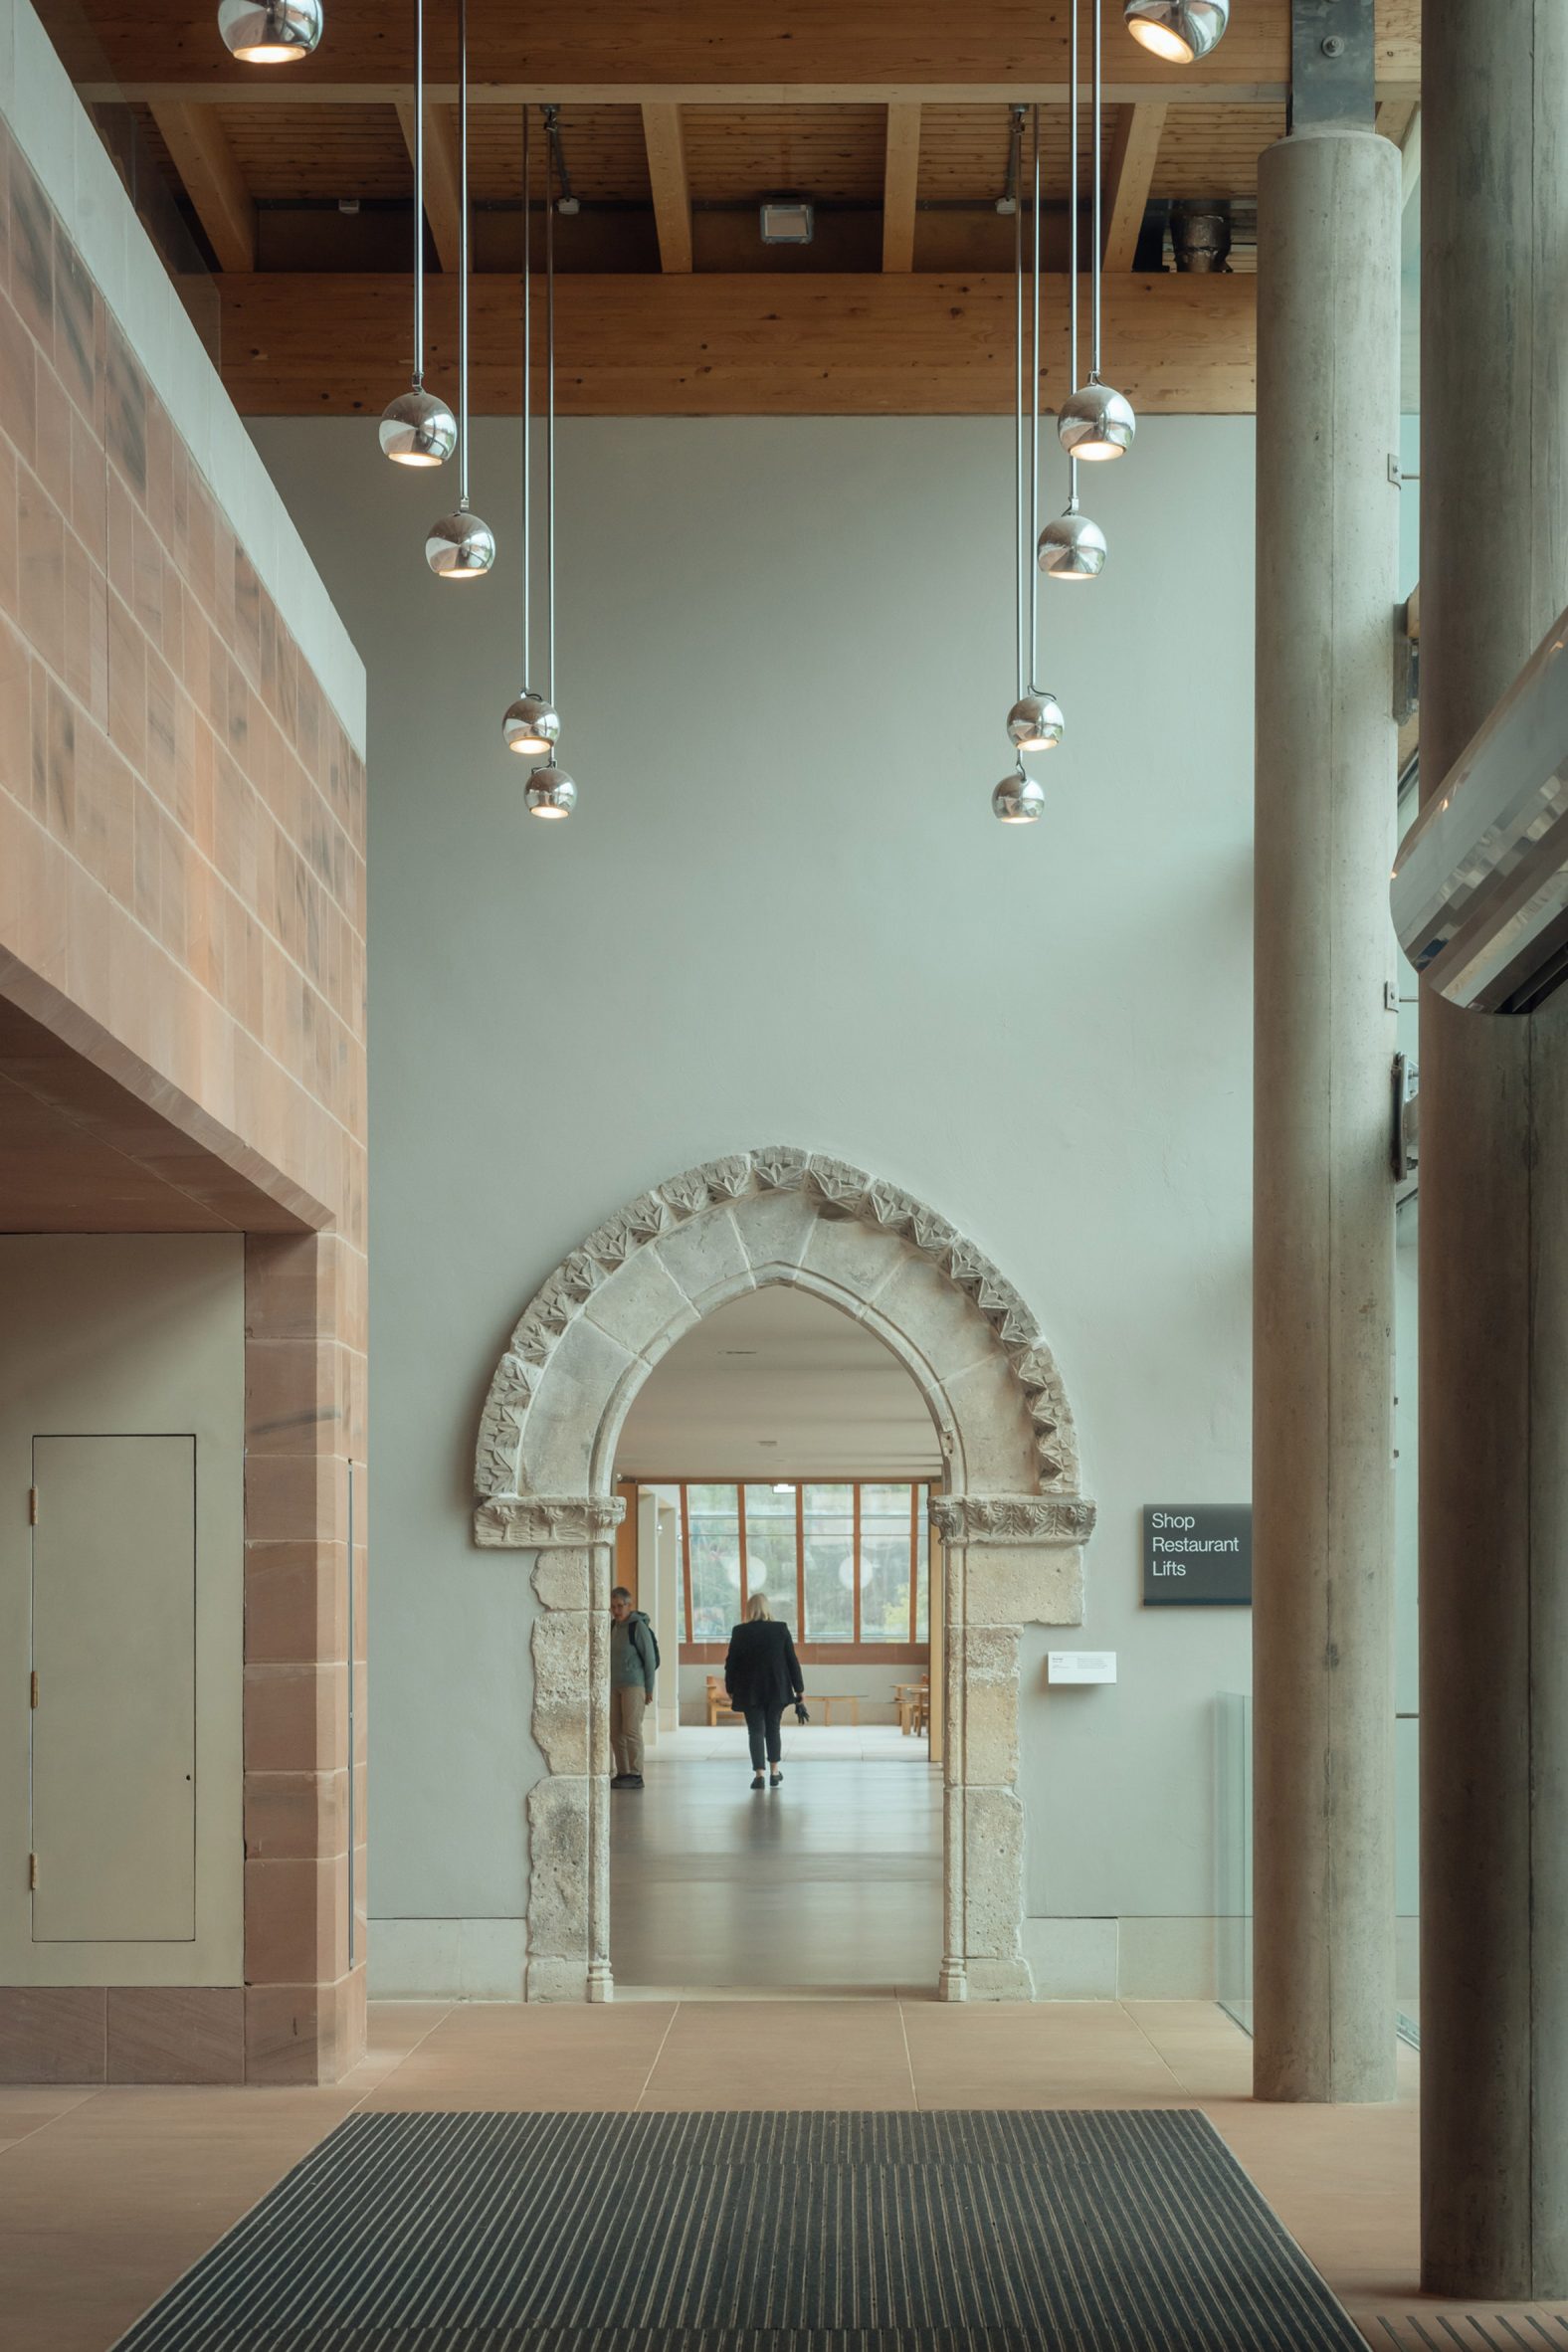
787, 220
270, 31
1178, 31
532, 724
1094, 421
417, 428
1035, 723
460, 546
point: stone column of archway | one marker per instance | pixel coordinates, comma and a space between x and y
1011, 1522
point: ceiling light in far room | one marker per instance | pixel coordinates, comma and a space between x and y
270, 32
417, 428
460, 546
1178, 31
1093, 421
550, 793
787, 220
1018, 798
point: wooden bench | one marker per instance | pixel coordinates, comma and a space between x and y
718, 1706
914, 1702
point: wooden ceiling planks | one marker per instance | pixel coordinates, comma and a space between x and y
646, 48
899, 343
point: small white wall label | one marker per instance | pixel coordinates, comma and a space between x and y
1081, 1666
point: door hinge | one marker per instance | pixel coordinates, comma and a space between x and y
32, 1869
31, 1690
32, 1506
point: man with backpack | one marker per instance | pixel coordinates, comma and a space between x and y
634, 1663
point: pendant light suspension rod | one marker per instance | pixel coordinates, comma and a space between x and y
419, 194
1016, 173
1094, 258
1073, 240
551, 118
528, 395
1032, 536
463, 257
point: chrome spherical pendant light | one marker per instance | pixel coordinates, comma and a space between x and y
1018, 798
270, 31
1073, 547
460, 546
1096, 422
1178, 31
532, 724
550, 793
1035, 723
418, 429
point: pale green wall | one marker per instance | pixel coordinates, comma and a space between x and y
784, 912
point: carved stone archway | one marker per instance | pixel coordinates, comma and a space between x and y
1011, 1520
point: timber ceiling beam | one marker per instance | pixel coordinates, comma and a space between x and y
900, 179
443, 195
711, 52
1134, 152
667, 177
900, 344
213, 181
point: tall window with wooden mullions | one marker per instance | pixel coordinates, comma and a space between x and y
844, 1562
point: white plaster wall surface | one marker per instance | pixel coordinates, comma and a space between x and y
782, 908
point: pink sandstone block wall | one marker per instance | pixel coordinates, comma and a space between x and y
182, 900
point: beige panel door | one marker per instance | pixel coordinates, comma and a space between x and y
115, 1726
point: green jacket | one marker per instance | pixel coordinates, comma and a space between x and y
631, 1652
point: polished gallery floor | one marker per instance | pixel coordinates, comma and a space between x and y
106, 2196
830, 1885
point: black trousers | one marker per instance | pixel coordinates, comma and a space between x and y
762, 1729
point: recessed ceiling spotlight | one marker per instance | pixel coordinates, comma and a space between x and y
270, 32
787, 220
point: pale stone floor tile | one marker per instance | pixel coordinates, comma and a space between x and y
113, 2193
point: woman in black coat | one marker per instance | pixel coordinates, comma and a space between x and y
762, 1675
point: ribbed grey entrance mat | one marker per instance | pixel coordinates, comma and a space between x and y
1131, 2231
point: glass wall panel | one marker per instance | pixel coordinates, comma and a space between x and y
828, 1516
715, 1561
770, 1548
886, 1563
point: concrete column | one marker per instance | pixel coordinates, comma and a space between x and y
1324, 1040
1494, 1196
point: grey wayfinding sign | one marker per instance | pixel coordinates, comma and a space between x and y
1196, 1554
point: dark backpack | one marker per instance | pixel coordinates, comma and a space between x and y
640, 1618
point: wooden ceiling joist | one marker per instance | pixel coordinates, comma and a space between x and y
443, 194
1134, 153
205, 161
672, 193
910, 343
628, 49
900, 182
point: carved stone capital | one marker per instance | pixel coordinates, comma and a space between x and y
1013, 1519
532, 1522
